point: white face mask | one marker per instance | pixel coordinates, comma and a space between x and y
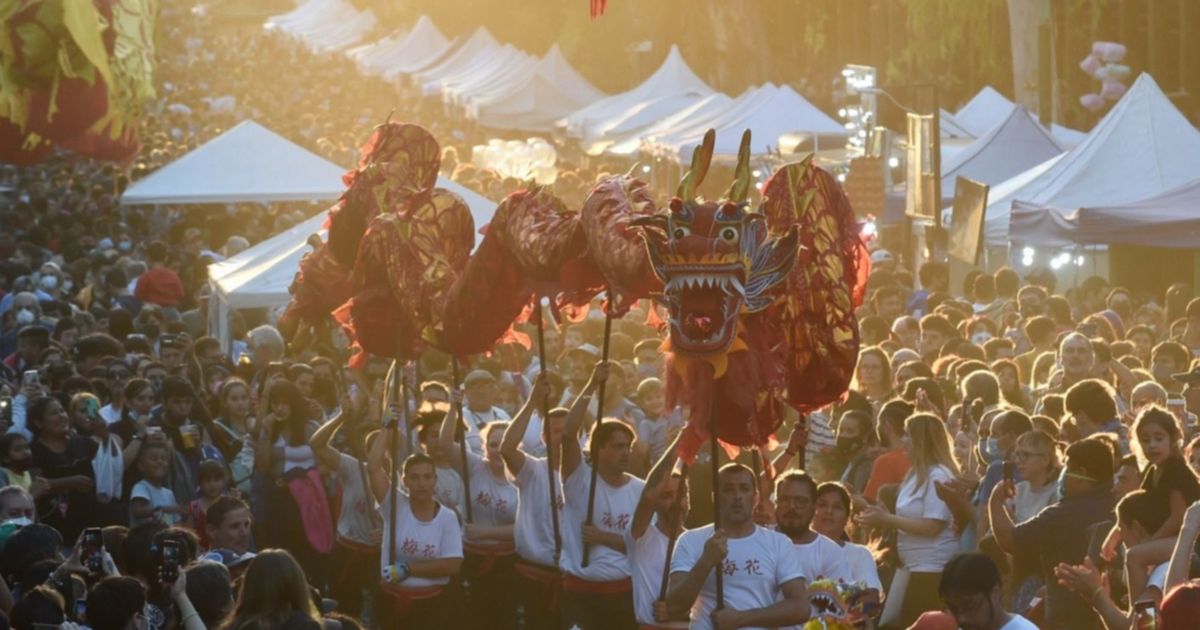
981, 337
49, 282
20, 521
25, 316
125, 246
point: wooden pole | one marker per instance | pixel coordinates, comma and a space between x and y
591, 509
396, 463
714, 449
676, 528
460, 431
550, 459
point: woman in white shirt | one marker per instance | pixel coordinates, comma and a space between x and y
1037, 462
831, 514
925, 536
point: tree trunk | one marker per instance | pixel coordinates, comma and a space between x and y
739, 57
1023, 33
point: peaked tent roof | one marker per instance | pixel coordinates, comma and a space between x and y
246, 163
951, 127
475, 49
422, 46
778, 110
377, 48
673, 78
505, 65
553, 90
305, 15
984, 111
1011, 147
697, 113
1168, 219
1143, 146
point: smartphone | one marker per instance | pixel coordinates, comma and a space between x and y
170, 556
1009, 471
31, 378
1145, 615
91, 548
93, 408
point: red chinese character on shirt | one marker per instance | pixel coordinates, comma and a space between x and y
408, 547
729, 567
752, 567
428, 551
484, 499
622, 521
607, 520
501, 505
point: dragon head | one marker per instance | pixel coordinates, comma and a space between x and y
716, 259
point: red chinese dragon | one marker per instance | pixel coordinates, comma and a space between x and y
761, 301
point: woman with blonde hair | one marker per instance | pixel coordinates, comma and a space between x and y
274, 594
924, 525
873, 376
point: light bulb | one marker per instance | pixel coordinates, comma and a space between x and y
893, 162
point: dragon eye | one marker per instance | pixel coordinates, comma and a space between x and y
680, 232
729, 234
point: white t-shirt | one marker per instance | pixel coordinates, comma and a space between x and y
534, 529
1158, 577
822, 559
415, 539
494, 501
755, 567
613, 513
449, 489
646, 557
921, 553
110, 414
158, 497
1028, 503
861, 567
476, 420
358, 517
1019, 623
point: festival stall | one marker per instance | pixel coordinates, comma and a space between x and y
423, 46
989, 108
671, 88
1015, 145
1143, 147
553, 90
248, 163
477, 49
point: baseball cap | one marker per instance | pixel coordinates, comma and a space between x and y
881, 256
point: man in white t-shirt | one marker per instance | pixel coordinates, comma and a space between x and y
597, 591
763, 578
661, 510
422, 552
534, 533
795, 505
479, 406
970, 588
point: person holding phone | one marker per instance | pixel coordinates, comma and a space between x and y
66, 462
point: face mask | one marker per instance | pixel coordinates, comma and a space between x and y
124, 246
980, 338
49, 282
21, 521
25, 316
989, 450
68, 285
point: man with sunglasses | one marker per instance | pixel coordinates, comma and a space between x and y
1057, 534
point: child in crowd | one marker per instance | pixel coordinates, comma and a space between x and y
15, 460
655, 427
214, 482
151, 501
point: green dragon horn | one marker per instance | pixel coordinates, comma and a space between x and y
740, 188
701, 158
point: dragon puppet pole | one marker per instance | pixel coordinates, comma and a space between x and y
599, 420
676, 526
462, 441
400, 403
714, 449
541, 336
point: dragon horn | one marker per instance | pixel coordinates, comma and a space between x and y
632, 169
701, 158
741, 175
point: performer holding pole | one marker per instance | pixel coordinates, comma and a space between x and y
651, 537
591, 505
538, 538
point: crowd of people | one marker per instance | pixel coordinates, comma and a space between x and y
1010, 455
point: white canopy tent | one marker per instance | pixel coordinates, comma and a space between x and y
506, 64
989, 108
553, 90
347, 31
475, 50
246, 163
673, 80
1010, 148
775, 111
423, 45
260, 276
371, 51
1144, 146
697, 113
305, 16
